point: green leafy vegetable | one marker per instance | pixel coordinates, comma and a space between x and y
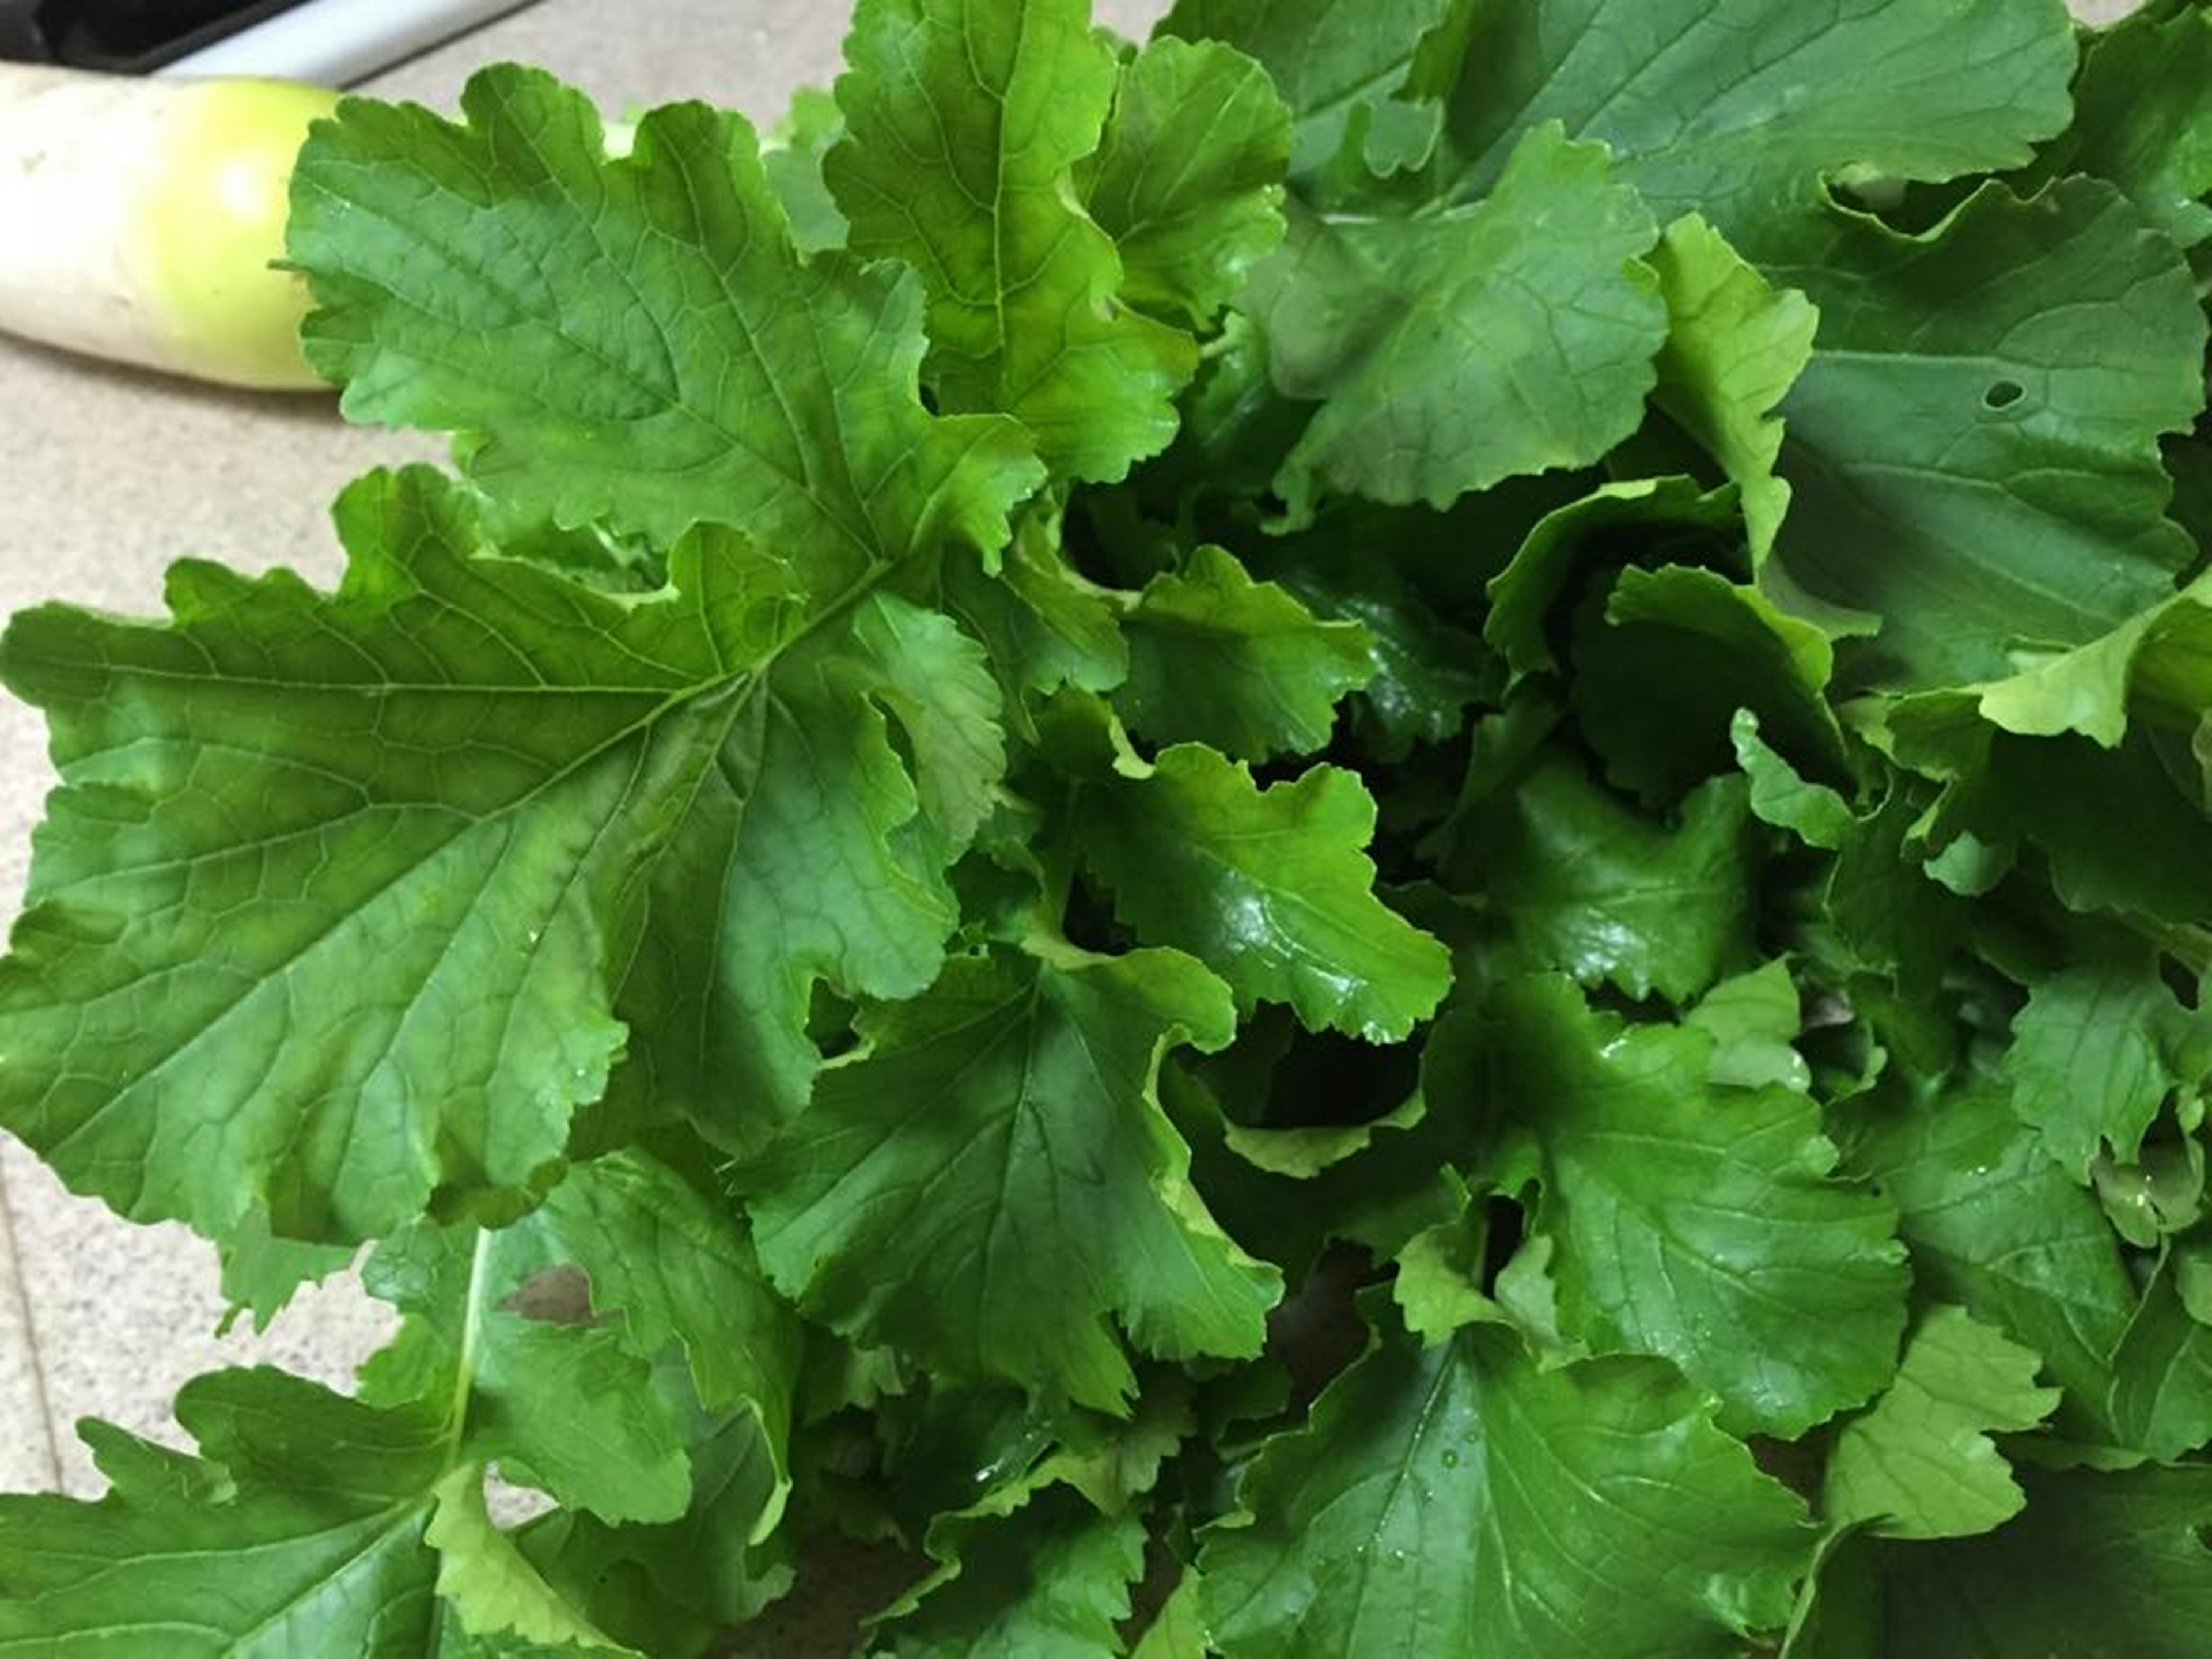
1386, 831
1918, 1462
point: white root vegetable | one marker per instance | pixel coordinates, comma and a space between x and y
139, 220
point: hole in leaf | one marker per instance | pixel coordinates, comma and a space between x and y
2003, 395
558, 1295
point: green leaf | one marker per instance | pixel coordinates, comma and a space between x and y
1754, 1020
299, 1528
1449, 352
1660, 730
2095, 1054
1785, 96
455, 794
1701, 1224
2161, 1402
2142, 118
1781, 796
1540, 582
1218, 658
1270, 888
1050, 1581
491, 1590
261, 1271
791, 158
677, 1588
635, 340
1455, 1499
1918, 1462
965, 121
678, 1271
814, 851
435, 788
1046, 626
1336, 69
1424, 671
1734, 347
543, 1335
1187, 178
1002, 1134
1178, 1629
1991, 487
1584, 884
1812, 813
1996, 1227
567, 1404
2099, 1567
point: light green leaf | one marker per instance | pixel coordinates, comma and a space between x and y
2088, 689
1187, 178
1754, 1020
1734, 347
1438, 1283
1919, 1462
1178, 1629
1271, 888
1455, 1499
964, 120
637, 340
1336, 68
791, 158
1303, 1153
1696, 1223
1449, 352
2142, 118
1218, 658
1785, 95
490, 1589
2099, 1567
1586, 884
1781, 796
1995, 488
1001, 1136
299, 1528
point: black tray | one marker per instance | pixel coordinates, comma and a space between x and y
128, 37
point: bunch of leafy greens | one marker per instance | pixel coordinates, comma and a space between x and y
1387, 833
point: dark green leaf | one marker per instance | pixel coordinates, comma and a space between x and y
1271, 888
1002, 1135
1455, 1499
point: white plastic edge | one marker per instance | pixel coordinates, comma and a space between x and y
334, 43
